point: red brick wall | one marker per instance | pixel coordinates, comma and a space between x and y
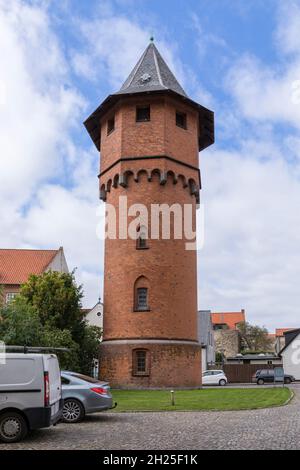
181, 144
111, 144
143, 138
170, 269
175, 366
160, 136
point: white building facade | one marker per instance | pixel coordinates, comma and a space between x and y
94, 316
291, 354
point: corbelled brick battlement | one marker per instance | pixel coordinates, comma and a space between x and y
163, 177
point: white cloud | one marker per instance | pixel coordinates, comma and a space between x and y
206, 40
264, 93
250, 258
252, 194
39, 107
251, 255
287, 34
272, 92
71, 216
112, 45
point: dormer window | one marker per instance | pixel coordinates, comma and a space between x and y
110, 125
181, 120
142, 113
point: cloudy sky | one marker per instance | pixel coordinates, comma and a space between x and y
60, 59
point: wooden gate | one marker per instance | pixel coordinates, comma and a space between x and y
242, 373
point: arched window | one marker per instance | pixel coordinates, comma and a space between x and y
140, 362
141, 241
141, 295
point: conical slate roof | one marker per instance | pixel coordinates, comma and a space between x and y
151, 73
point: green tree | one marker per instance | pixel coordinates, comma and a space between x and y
89, 345
56, 338
47, 312
219, 357
254, 338
57, 299
20, 324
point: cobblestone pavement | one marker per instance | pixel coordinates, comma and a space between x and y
273, 428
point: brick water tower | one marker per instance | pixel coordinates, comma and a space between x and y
149, 134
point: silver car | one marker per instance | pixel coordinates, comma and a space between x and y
83, 395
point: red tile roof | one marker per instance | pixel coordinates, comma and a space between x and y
229, 318
17, 265
280, 331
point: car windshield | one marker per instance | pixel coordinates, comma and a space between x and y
86, 378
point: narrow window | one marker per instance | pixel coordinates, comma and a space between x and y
140, 362
181, 120
141, 242
143, 113
110, 125
142, 299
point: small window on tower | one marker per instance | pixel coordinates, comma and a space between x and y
181, 120
110, 125
142, 299
140, 362
143, 113
141, 242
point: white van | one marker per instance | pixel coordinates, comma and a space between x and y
30, 394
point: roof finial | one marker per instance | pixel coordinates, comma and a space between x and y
152, 39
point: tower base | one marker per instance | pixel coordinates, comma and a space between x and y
169, 364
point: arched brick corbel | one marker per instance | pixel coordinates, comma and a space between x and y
163, 178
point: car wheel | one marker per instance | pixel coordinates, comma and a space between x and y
222, 382
260, 382
73, 411
287, 380
13, 427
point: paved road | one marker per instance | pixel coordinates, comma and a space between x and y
273, 428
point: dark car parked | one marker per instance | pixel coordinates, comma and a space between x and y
267, 376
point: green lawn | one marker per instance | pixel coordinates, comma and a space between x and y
194, 400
